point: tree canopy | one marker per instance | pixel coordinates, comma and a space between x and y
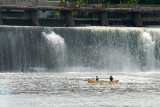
132, 1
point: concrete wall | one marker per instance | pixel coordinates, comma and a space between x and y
18, 2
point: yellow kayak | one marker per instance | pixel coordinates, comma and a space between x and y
94, 81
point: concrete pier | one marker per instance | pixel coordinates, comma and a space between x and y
34, 17
103, 18
138, 19
69, 19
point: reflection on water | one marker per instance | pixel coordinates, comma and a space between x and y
71, 89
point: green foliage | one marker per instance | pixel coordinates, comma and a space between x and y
54, 14
74, 3
129, 1
82, 3
83, 14
53, 0
111, 1
106, 1
149, 2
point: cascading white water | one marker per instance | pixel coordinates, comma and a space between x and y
116, 54
57, 46
149, 46
112, 48
27, 48
102, 48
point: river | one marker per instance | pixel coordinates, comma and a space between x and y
49, 67
71, 89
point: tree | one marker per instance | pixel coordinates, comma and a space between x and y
111, 1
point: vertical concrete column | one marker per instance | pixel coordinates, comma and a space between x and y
137, 19
34, 17
103, 18
0, 17
130, 17
69, 19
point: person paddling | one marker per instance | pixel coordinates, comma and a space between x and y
111, 78
97, 78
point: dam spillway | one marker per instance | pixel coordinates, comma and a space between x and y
102, 48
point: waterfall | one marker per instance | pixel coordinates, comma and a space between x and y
149, 45
57, 46
112, 48
29, 48
102, 48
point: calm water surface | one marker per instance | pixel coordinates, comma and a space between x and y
71, 89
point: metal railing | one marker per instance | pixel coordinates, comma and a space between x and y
19, 2
53, 3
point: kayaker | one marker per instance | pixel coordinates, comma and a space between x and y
97, 78
111, 78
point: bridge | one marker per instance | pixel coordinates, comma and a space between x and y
102, 16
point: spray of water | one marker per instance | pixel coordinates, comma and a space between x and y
149, 46
57, 47
111, 48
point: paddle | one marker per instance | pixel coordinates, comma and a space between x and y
94, 79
